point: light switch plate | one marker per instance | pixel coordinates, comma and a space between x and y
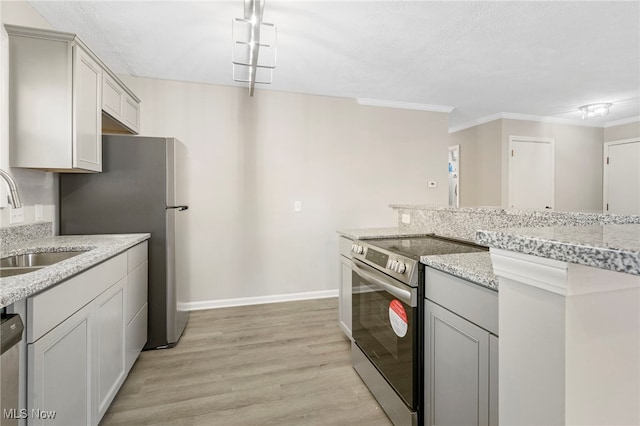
39, 212
16, 215
297, 206
406, 218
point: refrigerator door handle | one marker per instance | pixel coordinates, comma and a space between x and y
180, 208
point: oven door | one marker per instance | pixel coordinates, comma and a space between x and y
385, 327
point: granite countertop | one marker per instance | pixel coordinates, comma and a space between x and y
372, 233
611, 247
97, 249
474, 267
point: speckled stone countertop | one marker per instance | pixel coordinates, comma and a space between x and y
612, 247
474, 267
372, 233
97, 249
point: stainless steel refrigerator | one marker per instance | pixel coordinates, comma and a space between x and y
142, 188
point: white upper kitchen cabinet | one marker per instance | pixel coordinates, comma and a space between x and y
56, 102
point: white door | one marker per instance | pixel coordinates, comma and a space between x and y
622, 177
531, 173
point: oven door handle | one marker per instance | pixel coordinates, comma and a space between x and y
400, 293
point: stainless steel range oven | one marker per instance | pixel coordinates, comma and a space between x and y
387, 307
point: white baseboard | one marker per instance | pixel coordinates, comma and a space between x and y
245, 301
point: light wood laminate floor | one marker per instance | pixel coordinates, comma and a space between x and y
273, 364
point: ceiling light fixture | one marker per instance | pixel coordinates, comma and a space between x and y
254, 46
595, 110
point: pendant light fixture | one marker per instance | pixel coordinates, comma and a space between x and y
254, 46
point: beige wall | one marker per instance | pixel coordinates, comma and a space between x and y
480, 164
625, 131
35, 187
251, 158
578, 162
490, 173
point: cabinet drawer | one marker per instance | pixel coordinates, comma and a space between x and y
471, 301
51, 307
136, 255
345, 246
136, 290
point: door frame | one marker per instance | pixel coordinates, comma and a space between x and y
552, 143
456, 148
605, 169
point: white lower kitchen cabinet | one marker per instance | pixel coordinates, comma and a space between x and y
136, 307
344, 286
59, 373
110, 353
80, 342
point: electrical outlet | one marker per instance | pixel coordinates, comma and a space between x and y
432, 184
406, 218
297, 206
16, 215
39, 213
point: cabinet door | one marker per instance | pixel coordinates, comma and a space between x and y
59, 378
456, 369
493, 381
112, 97
87, 111
136, 312
131, 114
110, 343
344, 306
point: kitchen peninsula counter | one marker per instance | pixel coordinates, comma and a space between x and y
569, 302
611, 247
95, 249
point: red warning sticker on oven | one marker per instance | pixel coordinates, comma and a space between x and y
398, 318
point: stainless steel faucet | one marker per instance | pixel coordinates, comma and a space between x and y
14, 197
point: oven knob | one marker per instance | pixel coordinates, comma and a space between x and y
401, 268
359, 249
393, 265
353, 247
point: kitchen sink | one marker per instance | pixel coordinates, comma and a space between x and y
36, 259
30, 262
9, 272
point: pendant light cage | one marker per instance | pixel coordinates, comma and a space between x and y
254, 50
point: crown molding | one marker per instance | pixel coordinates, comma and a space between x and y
404, 105
477, 122
621, 122
524, 117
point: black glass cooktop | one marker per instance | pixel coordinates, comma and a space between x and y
414, 247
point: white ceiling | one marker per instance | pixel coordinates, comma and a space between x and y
541, 58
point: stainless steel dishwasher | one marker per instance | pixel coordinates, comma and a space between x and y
11, 328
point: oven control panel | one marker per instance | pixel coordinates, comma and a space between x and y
397, 266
